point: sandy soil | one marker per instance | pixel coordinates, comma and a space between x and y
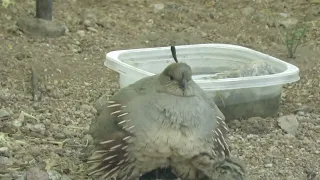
52, 132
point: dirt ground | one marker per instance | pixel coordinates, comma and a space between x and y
51, 132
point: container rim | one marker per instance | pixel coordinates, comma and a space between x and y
291, 74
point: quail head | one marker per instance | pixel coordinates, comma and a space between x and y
165, 120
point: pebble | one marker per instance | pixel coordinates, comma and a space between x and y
59, 135
306, 141
58, 93
4, 149
36, 174
65, 177
87, 84
17, 122
54, 175
4, 113
289, 124
92, 29
235, 124
81, 33
76, 49
22, 177
86, 108
269, 165
300, 113
288, 22
87, 23
38, 127
285, 15
35, 150
5, 161
158, 7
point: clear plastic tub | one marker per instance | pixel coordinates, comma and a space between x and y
240, 97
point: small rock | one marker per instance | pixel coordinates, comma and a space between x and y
92, 29
4, 113
300, 113
235, 124
59, 135
81, 33
36, 174
4, 149
54, 175
87, 23
57, 93
22, 177
285, 15
289, 22
289, 124
68, 133
17, 122
4, 161
74, 48
212, 15
39, 127
65, 177
248, 11
269, 165
86, 108
60, 152
35, 150
306, 140
158, 7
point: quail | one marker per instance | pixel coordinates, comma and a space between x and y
164, 120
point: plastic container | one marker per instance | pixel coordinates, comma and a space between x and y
240, 97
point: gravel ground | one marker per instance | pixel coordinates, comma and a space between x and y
46, 137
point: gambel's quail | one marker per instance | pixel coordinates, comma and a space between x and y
165, 120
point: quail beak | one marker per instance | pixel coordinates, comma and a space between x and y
184, 84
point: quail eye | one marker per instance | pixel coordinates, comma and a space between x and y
171, 78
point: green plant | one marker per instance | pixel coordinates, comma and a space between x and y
293, 39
